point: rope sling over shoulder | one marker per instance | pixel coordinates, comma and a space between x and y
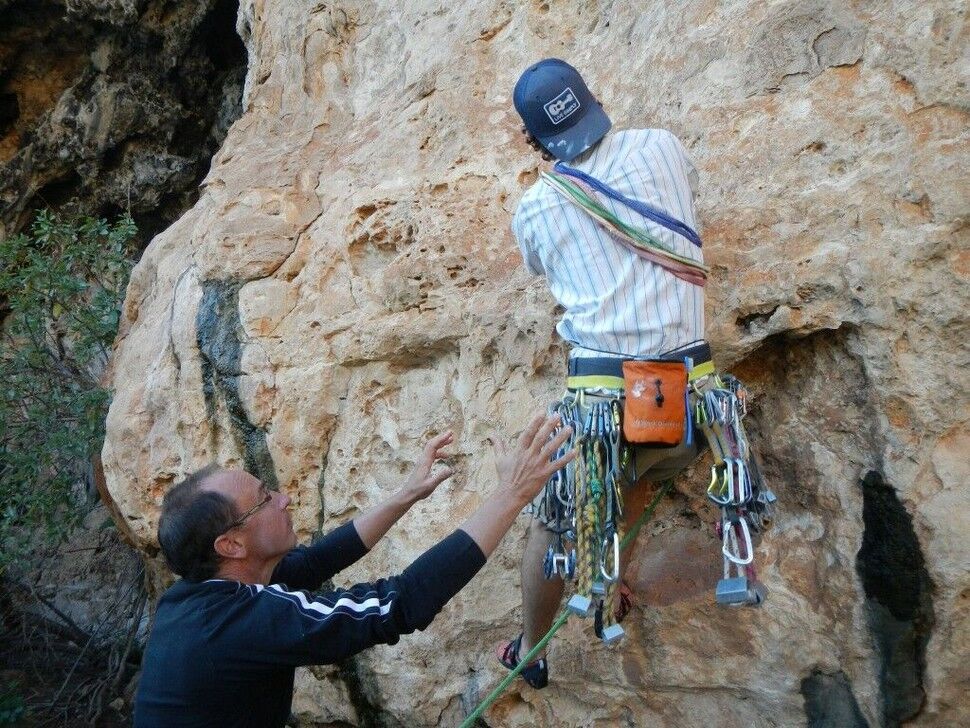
579, 189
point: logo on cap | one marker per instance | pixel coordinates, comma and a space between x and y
563, 106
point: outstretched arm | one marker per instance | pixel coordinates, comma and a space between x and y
372, 525
302, 628
308, 567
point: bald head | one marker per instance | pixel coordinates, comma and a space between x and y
232, 484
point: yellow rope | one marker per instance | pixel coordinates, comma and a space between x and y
583, 582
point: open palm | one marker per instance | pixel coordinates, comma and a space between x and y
425, 477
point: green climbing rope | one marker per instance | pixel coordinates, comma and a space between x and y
647, 513
562, 618
638, 236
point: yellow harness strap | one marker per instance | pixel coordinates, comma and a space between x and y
594, 381
701, 370
602, 381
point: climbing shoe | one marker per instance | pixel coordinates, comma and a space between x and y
535, 673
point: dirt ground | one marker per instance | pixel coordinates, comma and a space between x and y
72, 625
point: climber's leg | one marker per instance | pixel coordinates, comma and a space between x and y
540, 596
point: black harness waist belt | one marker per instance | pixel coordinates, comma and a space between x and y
613, 367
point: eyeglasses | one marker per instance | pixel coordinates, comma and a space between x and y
266, 499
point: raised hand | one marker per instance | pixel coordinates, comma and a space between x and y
526, 469
424, 479
522, 472
373, 524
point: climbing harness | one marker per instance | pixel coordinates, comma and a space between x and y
583, 503
718, 404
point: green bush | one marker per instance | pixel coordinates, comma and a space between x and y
12, 707
61, 289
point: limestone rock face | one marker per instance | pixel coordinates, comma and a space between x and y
347, 285
113, 105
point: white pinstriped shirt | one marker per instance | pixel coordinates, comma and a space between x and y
616, 302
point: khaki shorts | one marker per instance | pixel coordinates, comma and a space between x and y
653, 463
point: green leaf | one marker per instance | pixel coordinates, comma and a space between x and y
63, 284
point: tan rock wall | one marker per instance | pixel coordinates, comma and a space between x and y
347, 284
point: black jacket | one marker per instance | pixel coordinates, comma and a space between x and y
223, 653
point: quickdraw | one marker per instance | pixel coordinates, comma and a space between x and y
587, 514
583, 503
736, 487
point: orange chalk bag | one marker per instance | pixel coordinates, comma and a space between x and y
656, 402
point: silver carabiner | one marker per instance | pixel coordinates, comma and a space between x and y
563, 492
616, 558
711, 407
729, 537
743, 483
729, 467
739, 485
588, 423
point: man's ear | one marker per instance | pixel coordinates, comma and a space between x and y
229, 547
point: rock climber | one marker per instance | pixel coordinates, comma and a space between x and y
619, 305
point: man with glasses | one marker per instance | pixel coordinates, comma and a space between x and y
249, 610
